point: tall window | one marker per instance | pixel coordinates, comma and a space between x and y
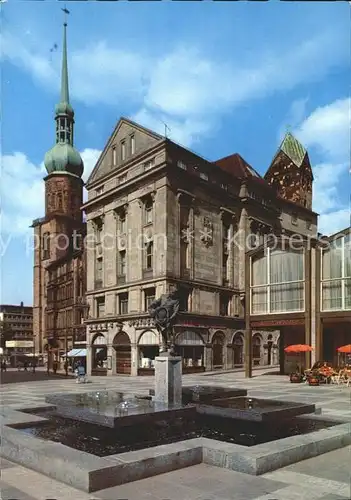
185, 237
184, 299
225, 252
148, 209
99, 269
336, 275
149, 254
123, 150
224, 305
100, 307
122, 263
149, 297
277, 282
132, 144
46, 246
123, 303
114, 156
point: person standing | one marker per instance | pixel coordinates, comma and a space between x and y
66, 367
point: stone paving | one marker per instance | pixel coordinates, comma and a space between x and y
326, 477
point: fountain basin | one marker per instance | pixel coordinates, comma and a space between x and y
96, 462
103, 441
113, 409
254, 410
205, 393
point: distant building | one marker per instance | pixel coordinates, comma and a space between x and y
59, 265
16, 323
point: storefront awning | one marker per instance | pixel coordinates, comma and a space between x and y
77, 353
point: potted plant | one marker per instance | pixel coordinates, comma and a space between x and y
313, 378
296, 378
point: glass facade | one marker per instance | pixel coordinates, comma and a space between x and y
277, 282
336, 275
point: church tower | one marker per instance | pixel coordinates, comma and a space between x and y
64, 165
53, 233
290, 172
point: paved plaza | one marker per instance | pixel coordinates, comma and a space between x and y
326, 477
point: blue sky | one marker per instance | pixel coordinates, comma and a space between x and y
226, 77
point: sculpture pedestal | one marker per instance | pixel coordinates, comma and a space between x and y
168, 379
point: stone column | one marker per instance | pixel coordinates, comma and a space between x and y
248, 330
308, 305
230, 357
318, 353
89, 359
134, 359
113, 360
111, 369
168, 380
208, 356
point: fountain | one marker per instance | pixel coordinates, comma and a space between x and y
82, 439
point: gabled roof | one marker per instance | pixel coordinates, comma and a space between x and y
236, 166
121, 121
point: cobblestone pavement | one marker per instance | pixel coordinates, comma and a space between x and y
326, 477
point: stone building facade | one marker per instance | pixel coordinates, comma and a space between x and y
59, 258
160, 216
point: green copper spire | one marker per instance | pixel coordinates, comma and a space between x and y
64, 73
293, 149
63, 157
64, 107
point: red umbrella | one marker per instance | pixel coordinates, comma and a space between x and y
345, 348
298, 348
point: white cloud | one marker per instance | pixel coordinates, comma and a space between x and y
295, 115
332, 222
89, 157
185, 84
22, 190
183, 131
326, 195
327, 132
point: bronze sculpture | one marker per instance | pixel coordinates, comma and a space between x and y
164, 312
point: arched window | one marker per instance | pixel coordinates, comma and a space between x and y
218, 349
238, 349
256, 348
190, 346
148, 349
99, 353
